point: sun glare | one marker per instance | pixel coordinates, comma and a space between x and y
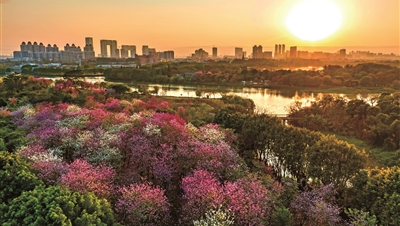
314, 20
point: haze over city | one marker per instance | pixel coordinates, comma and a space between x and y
184, 26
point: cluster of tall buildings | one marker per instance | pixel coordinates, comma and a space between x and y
239, 54
37, 52
259, 54
201, 54
108, 48
279, 51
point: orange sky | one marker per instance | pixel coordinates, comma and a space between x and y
185, 25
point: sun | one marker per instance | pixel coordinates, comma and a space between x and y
314, 20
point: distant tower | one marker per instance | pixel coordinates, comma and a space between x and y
89, 41
257, 52
293, 52
88, 50
282, 53
279, 49
214, 52
113, 48
238, 52
126, 49
277, 53
342, 53
145, 50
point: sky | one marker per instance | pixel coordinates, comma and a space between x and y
186, 25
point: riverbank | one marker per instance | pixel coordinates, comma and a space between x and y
300, 89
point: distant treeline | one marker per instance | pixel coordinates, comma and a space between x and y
260, 72
364, 75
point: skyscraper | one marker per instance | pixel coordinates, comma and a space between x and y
257, 52
214, 52
113, 48
277, 53
145, 50
88, 50
238, 53
89, 41
293, 52
342, 53
128, 51
280, 51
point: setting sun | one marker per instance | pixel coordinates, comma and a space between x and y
314, 20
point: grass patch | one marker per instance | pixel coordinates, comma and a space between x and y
378, 157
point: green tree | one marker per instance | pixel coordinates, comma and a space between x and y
56, 206
16, 177
26, 69
377, 191
333, 161
11, 136
366, 81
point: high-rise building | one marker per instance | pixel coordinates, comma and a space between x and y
153, 57
238, 52
145, 50
29, 51
89, 41
88, 50
293, 52
71, 53
214, 52
342, 53
166, 55
169, 55
128, 51
303, 54
113, 48
267, 55
279, 51
200, 54
257, 52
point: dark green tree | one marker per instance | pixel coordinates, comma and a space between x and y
57, 206
377, 191
16, 177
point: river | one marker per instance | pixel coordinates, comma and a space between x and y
272, 101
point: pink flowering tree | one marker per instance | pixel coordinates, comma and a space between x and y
142, 204
249, 200
219, 159
201, 192
83, 177
48, 167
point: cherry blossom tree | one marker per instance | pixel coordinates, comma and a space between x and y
142, 204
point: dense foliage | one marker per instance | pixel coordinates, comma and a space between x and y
377, 191
16, 177
374, 119
96, 157
364, 75
56, 206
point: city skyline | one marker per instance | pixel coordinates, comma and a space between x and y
178, 25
